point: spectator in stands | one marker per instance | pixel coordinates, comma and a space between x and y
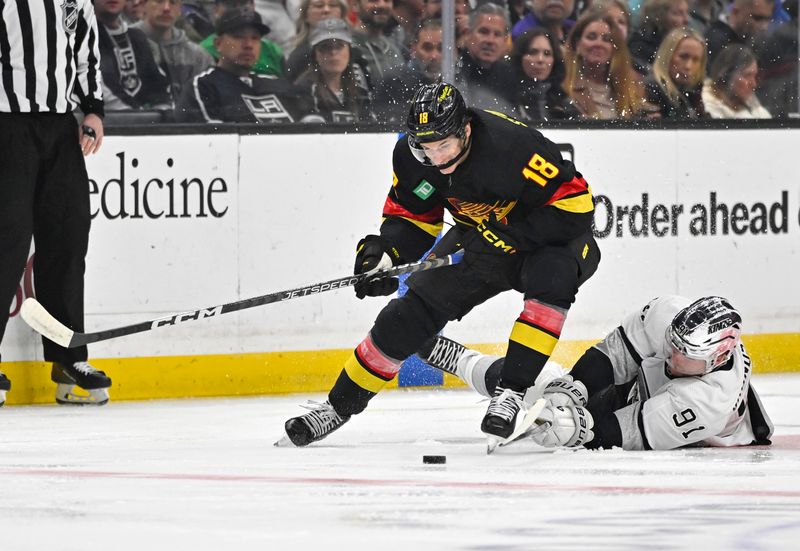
703, 12
600, 76
747, 19
539, 68
196, 20
484, 77
281, 26
233, 91
551, 14
133, 11
517, 10
675, 83
463, 17
270, 59
379, 38
131, 77
336, 84
311, 13
729, 92
425, 67
180, 58
778, 60
658, 18
408, 14
433, 10
619, 11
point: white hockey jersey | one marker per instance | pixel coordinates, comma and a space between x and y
717, 409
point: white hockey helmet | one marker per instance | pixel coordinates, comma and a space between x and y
709, 329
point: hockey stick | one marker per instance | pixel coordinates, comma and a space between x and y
44, 323
522, 427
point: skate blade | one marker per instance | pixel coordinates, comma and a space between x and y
284, 442
73, 395
491, 444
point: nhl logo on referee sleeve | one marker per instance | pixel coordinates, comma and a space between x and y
69, 15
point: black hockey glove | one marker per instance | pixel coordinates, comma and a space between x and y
374, 254
489, 248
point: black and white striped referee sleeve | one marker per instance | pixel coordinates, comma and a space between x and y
88, 88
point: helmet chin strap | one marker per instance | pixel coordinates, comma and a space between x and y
458, 157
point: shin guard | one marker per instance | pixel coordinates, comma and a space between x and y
532, 341
365, 374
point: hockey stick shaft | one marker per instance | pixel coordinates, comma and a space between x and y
44, 323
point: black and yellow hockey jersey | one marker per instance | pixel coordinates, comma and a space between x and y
511, 170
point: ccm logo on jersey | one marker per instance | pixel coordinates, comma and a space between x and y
186, 316
495, 240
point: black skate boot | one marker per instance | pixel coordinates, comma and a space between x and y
94, 382
501, 416
5, 386
442, 353
319, 422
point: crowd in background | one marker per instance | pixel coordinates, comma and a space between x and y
349, 61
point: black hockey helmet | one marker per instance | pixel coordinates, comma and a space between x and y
437, 111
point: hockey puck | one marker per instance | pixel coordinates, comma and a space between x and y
434, 459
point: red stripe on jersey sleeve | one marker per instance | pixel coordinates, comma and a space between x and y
576, 186
433, 216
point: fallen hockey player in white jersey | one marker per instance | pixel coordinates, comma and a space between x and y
673, 374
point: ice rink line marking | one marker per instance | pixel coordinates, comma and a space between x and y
456, 485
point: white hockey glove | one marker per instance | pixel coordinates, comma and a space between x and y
565, 391
569, 426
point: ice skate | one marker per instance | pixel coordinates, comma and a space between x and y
5, 386
80, 384
442, 353
319, 422
501, 416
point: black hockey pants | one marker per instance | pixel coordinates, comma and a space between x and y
44, 194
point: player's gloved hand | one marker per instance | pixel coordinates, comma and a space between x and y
374, 254
569, 426
565, 391
487, 247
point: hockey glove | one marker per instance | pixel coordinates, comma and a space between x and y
564, 391
374, 254
488, 248
569, 426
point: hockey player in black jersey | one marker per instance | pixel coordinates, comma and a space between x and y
523, 217
232, 92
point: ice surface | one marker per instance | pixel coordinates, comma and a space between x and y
204, 475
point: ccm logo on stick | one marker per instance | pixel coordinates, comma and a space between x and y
187, 316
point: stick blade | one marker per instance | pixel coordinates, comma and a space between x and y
524, 426
42, 322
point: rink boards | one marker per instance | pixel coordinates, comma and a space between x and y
182, 222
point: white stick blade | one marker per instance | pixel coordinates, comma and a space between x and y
527, 421
42, 322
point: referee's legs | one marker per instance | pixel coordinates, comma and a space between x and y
19, 160
61, 234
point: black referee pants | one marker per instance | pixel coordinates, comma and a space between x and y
44, 194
